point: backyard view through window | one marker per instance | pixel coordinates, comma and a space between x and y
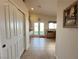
52, 25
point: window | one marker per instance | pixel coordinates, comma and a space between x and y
52, 25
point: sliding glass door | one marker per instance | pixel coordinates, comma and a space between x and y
36, 28
39, 28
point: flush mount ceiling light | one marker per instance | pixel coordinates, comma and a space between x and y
32, 9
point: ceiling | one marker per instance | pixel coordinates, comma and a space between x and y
45, 7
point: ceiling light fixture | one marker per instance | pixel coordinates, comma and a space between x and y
32, 8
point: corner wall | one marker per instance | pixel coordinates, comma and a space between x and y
66, 38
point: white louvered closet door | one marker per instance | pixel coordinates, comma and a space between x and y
4, 30
20, 19
17, 26
11, 31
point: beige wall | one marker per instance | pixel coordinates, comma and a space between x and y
43, 18
66, 38
20, 5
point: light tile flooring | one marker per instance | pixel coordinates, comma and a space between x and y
40, 48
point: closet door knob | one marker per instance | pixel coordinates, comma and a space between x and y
4, 46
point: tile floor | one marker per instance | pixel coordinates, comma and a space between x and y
40, 48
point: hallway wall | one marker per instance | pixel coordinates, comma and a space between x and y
66, 38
